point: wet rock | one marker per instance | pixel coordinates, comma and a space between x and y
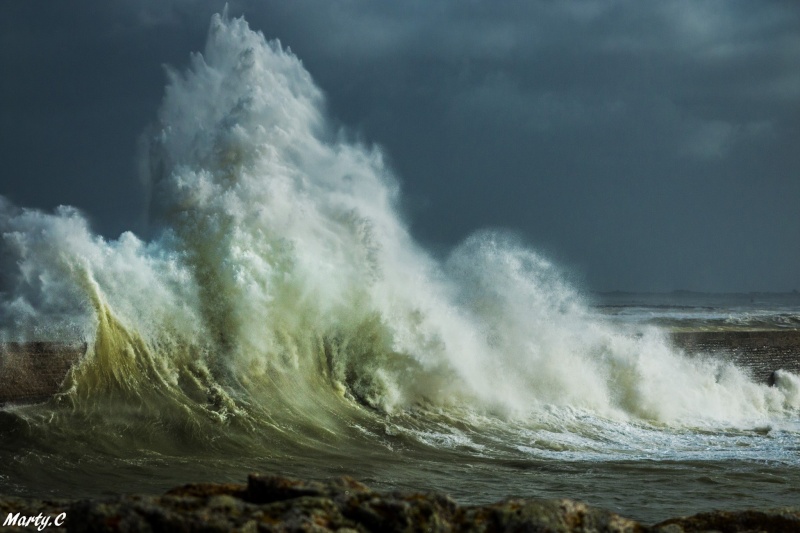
273, 503
749, 521
772, 380
401, 512
545, 515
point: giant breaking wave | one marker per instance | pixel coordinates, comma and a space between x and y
281, 291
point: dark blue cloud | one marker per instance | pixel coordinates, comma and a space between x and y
647, 145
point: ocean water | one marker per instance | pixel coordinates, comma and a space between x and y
280, 318
697, 311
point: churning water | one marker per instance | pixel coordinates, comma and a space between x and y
282, 319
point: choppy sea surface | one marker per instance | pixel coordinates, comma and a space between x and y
280, 318
698, 311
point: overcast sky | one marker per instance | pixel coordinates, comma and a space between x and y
644, 145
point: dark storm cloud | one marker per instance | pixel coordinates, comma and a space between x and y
80, 82
648, 145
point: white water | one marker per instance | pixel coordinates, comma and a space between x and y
279, 265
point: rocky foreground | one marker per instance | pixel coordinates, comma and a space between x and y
271, 503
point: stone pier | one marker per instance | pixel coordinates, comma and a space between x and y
33, 371
760, 352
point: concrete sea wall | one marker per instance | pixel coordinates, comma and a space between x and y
761, 352
33, 371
